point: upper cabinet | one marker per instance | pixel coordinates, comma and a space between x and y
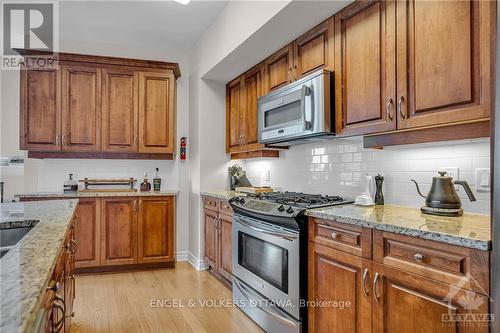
40, 119
445, 64
399, 66
120, 110
81, 108
365, 70
156, 112
314, 50
99, 107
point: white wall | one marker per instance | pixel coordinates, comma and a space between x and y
337, 167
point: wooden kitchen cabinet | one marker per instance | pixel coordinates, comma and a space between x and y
118, 231
406, 302
218, 237
99, 107
445, 63
120, 110
365, 72
88, 233
156, 230
40, 110
225, 258
341, 277
156, 112
81, 108
233, 116
278, 68
314, 50
410, 285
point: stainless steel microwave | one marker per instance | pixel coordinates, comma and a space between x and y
301, 111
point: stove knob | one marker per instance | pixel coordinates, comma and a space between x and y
281, 208
289, 210
242, 200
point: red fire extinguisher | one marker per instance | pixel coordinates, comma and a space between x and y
183, 148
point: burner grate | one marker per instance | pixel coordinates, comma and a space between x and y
299, 199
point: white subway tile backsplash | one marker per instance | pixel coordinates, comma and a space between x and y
337, 167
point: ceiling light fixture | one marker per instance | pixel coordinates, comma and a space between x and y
184, 2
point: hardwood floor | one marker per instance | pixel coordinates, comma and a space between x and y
122, 302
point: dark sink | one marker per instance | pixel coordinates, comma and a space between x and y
10, 237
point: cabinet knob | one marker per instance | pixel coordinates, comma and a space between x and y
419, 257
335, 235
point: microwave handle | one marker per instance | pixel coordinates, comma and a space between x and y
304, 91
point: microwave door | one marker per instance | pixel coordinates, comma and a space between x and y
283, 110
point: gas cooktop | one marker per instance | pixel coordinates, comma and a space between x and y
301, 200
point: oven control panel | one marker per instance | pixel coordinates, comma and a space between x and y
264, 207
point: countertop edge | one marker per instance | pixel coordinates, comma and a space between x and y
79, 195
424, 234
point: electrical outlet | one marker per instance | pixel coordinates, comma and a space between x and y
268, 175
483, 181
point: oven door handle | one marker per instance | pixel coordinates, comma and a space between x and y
285, 235
273, 313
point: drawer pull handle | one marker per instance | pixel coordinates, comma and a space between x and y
365, 275
335, 235
375, 286
419, 257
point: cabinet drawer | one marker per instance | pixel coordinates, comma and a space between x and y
225, 207
344, 237
211, 203
464, 267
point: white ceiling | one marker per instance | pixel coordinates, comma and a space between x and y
143, 24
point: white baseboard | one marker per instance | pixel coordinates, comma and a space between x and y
198, 264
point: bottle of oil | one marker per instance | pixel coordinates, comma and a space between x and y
145, 185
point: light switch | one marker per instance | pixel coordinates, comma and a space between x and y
483, 179
268, 175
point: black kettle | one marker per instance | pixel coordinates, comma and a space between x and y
443, 194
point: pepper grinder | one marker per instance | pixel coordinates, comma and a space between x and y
379, 196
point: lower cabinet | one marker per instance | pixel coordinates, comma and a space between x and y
361, 295
335, 276
57, 303
217, 216
88, 232
156, 230
118, 231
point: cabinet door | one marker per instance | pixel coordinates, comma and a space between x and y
120, 110
365, 72
403, 302
338, 276
156, 230
225, 248
69, 271
40, 116
81, 108
314, 50
156, 112
88, 233
444, 57
252, 90
118, 231
210, 218
278, 68
233, 115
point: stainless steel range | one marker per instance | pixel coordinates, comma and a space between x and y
270, 257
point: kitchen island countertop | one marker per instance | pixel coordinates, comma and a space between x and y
26, 269
468, 230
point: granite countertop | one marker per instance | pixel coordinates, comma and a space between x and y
469, 230
26, 269
95, 194
222, 194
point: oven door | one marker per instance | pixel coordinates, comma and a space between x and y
266, 258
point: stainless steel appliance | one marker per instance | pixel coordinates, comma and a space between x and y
269, 240
301, 111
